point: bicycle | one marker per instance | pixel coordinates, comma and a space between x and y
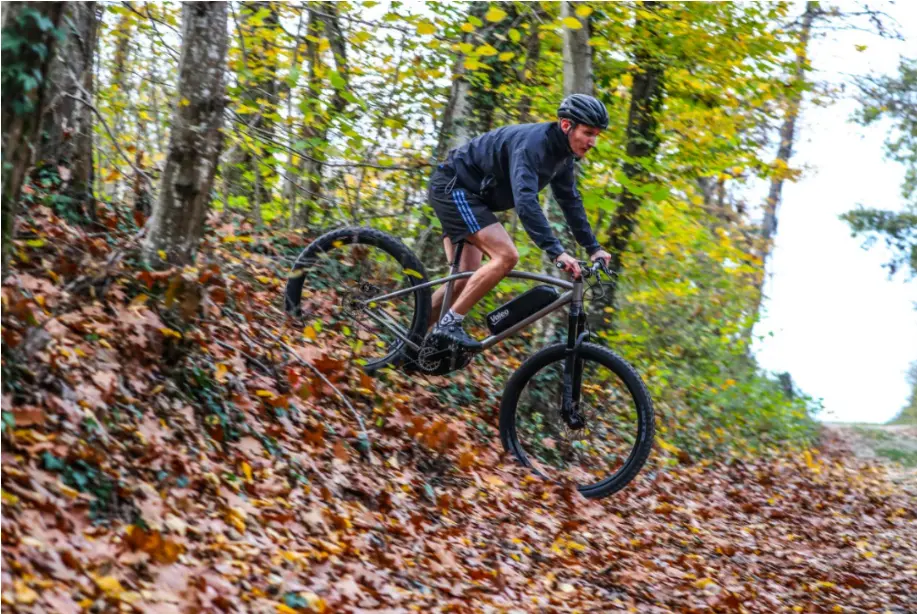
558, 397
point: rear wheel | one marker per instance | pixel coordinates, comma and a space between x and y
606, 447
337, 274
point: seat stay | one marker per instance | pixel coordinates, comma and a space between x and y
387, 321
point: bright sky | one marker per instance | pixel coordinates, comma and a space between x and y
843, 330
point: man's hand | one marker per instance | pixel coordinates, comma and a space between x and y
569, 264
603, 255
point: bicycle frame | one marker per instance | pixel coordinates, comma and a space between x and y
574, 295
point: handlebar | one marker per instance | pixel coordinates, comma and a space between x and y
589, 269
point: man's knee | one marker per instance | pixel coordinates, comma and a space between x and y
508, 258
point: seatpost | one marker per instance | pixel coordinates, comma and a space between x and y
456, 265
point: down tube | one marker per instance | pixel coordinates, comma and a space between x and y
489, 342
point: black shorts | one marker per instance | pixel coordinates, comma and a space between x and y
460, 212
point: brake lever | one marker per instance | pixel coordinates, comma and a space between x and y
584, 271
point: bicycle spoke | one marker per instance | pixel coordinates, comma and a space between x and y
587, 454
351, 274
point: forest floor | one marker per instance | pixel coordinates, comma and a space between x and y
172, 442
894, 445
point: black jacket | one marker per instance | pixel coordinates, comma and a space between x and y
507, 167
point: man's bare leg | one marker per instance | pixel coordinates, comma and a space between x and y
497, 244
471, 261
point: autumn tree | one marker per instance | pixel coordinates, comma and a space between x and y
318, 112
479, 75
249, 169
29, 37
196, 139
67, 122
641, 139
578, 77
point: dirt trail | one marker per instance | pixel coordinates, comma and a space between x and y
895, 445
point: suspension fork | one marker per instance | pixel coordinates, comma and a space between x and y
573, 364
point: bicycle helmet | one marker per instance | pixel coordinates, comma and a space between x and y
584, 109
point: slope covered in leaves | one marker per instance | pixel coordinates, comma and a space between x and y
172, 442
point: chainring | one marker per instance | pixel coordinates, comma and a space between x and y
439, 356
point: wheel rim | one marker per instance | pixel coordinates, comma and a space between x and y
337, 283
591, 456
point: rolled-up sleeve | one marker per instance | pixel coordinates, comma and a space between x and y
524, 177
571, 203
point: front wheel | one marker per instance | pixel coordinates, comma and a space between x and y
610, 441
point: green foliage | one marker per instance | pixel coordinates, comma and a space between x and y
892, 98
908, 413
86, 477
335, 110
25, 47
897, 229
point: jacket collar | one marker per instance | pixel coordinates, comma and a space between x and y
560, 144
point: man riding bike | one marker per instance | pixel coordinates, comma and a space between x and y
497, 171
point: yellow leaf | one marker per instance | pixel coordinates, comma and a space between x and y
413, 273
113, 175
110, 586
162, 254
168, 332
8, 498
263, 279
814, 465
24, 594
487, 50
467, 27
584, 11
495, 14
506, 55
571, 22
667, 446
425, 27
472, 64
247, 470
221, 372
184, 102
236, 518
266, 394
309, 333
283, 608
514, 35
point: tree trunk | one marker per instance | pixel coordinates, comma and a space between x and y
323, 22
67, 119
25, 67
785, 150
641, 139
472, 111
196, 138
532, 55
577, 54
